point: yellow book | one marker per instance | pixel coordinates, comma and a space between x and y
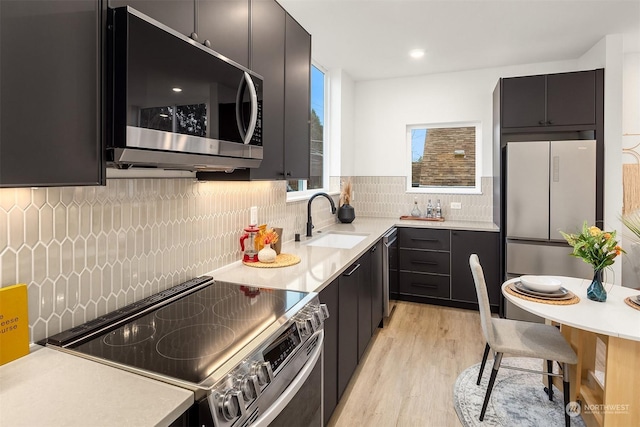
14, 323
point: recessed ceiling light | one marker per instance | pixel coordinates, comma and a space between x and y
177, 89
416, 53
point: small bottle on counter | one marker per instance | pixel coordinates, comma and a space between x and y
429, 209
416, 211
438, 213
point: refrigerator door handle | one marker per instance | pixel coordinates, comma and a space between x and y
556, 168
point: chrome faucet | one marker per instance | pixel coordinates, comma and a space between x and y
309, 222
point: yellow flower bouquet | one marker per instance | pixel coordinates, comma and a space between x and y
598, 248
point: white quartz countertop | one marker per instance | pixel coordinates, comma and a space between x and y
321, 265
51, 388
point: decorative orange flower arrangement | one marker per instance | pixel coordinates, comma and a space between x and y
266, 236
269, 237
594, 246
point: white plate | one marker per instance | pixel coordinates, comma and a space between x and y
541, 283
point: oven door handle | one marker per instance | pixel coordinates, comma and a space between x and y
274, 410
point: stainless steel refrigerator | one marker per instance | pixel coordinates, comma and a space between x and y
550, 186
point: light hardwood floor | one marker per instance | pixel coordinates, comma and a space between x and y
407, 373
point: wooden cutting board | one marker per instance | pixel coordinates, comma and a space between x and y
14, 323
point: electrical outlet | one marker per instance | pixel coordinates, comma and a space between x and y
456, 205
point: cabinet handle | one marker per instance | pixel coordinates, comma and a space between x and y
419, 239
352, 270
194, 36
541, 122
424, 285
207, 43
423, 262
373, 249
550, 122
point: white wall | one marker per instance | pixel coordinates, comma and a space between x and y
341, 97
631, 103
631, 140
608, 53
383, 108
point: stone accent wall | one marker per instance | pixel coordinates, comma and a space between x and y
440, 166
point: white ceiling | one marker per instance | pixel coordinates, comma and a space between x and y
370, 39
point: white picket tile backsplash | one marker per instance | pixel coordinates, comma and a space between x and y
85, 251
387, 197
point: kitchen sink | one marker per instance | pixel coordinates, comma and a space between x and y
337, 240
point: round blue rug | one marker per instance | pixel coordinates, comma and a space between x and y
517, 399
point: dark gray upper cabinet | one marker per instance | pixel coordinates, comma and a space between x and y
267, 59
571, 98
178, 15
224, 24
280, 52
297, 101
524, 101
563, 99
51, 93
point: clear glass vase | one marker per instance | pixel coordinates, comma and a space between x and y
596, 290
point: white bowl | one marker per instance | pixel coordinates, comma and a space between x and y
541, 283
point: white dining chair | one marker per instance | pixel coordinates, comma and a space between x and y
519, 338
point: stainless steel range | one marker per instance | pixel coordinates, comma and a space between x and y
247, 353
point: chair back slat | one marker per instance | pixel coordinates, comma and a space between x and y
483, 299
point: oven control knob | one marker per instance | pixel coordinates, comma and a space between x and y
305, 326
317, 318
231, 404
323, 311
250, 387
263, 372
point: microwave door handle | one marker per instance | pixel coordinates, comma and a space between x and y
246, 136
254, 108
239, 115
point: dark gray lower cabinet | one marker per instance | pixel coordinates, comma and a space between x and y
376, 286
354, 301
487, 246
365, 296
348, 326
434, 266
330, 297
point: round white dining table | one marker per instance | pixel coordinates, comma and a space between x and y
612, 317
614, 400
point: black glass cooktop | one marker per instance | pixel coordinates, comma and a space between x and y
191, 337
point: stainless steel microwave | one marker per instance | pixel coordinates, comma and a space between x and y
176, 104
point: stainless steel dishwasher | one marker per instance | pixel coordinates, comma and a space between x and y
390, 271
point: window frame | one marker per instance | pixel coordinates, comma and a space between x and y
476, 189
304, 194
